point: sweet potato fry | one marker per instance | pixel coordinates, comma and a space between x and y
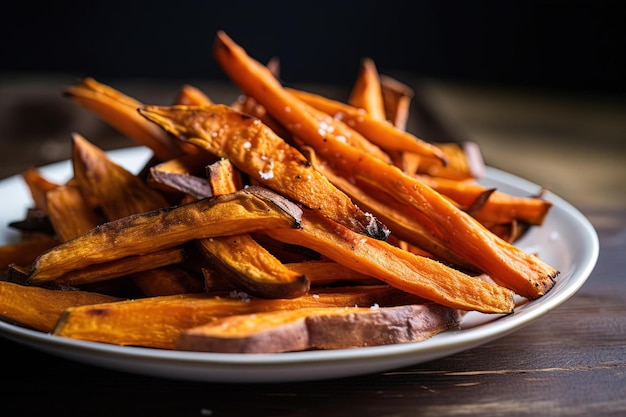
122, 267
38, 186
70, 214
120, 111
24, 252
252, 268
239, 258
397, 98
366, 91
325, 272
244, 211
40, 308
224, 177
465, 162
421, 276
168, 280
158, 321
119, 192
259, 152
497, 207
319, 328
191, 95
381, 132
524, 273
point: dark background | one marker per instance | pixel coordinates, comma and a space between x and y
573, 46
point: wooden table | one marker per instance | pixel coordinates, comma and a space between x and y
570, 362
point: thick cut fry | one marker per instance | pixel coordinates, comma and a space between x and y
259, 152
122, 267
239, 258
397, 98
497, 207
319, 328
465, 161
325, 272
421, 276
119, 192
191, 95
224, 177
70, 214
367, 92
381, 132
247, 210
120, 111
38, 186
252, 268
40, 308
158, 321
24, 252
168, 280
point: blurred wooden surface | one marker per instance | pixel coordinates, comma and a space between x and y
570, 362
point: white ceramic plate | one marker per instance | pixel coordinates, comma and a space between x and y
566, 240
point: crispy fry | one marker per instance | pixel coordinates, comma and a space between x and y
168, 280
158, 321
252, 268
381, 132
70, 214
367, 92
122, 267
247, 210
24, 252
497, 207
40, 308
465, 161
325, 272
397, 98
421, 276
119, 192
319, 328
191, 95
259, 152
239, 258
38, 186
120, 111
224, 177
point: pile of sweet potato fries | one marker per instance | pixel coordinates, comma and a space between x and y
283, 221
